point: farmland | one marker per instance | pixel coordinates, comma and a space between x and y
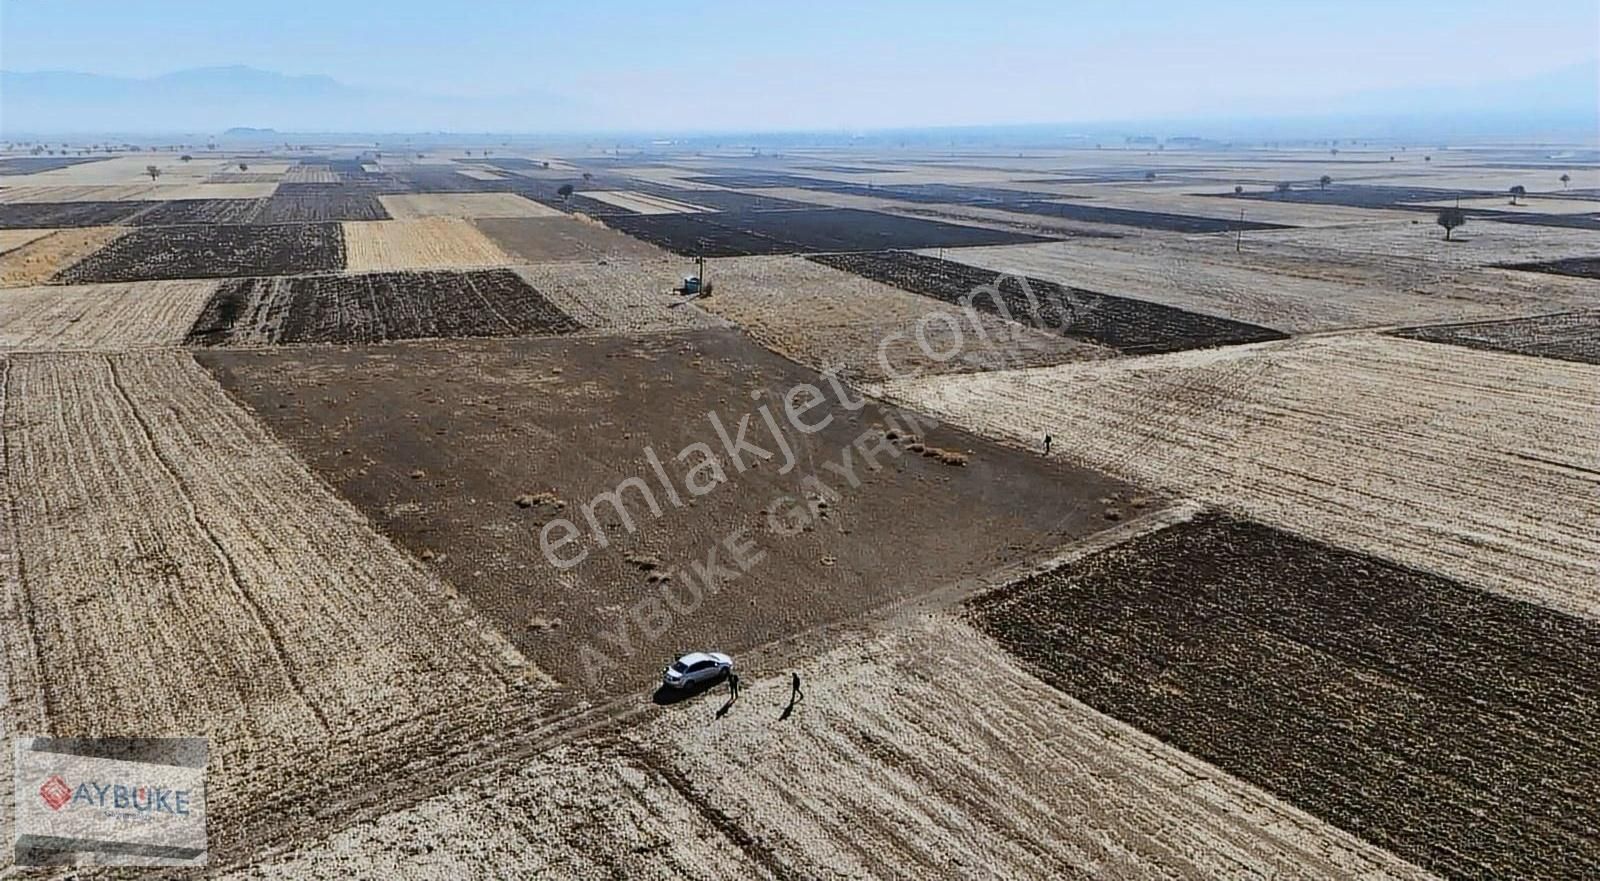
201, 251
1061, 523
1130, 326
1397, 448
110, 317
495, 421
375, 307
37, 258
748, 233
433, 243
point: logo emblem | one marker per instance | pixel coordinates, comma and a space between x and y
55, 792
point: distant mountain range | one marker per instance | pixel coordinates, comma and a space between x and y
1560, 104
213, 99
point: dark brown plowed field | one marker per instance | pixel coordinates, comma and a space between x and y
62, 215
343, 203
35, 164
1134, 327
436, 442
179, 212
816, 230
1456, 728
1565, 336
562, 239
160, 252
376, 307
1576, 267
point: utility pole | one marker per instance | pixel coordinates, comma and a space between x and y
1238, 242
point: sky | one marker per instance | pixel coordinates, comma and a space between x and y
824, 64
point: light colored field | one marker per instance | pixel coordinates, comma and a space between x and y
1181, 199
824, 317
1290, 289
1525, 205
115, 193
1537, 180
1475, 465
100, 316
1478, 243
126, 170
644, 203
309, 174
411, 207
11, 239
216, 191
41, 258
884, 771
477, 173
170, 569
430, 243
673, 177
618, 295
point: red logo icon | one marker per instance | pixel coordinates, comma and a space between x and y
55, 792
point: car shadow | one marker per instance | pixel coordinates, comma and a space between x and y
666, 696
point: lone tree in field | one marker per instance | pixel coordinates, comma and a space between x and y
1283, 186
1450, 218
1238, 190
588, 176
243, 167
1149, 175
153, 171
185, 158
1565, 179
1518, 192
1322, 182
565, 191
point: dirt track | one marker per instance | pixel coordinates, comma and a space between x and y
886, 769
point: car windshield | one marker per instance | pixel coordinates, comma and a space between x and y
679, 666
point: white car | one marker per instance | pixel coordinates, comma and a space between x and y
695, 668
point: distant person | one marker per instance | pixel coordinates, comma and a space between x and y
1048, 440
795, 694
733, 686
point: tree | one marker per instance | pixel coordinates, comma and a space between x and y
153, 171
1283, 186
1323, 182
588, 176
1450, 218
1518, 192
565, 192
243, 167
185, 158
1238, 190
1149, 175
544, 164
1427, 159
1565, 179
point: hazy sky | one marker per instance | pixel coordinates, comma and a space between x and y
819, 63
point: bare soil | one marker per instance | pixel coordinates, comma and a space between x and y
1373, 696
438, 442
163, 252
375, 307
562, 239
1569, 336
1127, 325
